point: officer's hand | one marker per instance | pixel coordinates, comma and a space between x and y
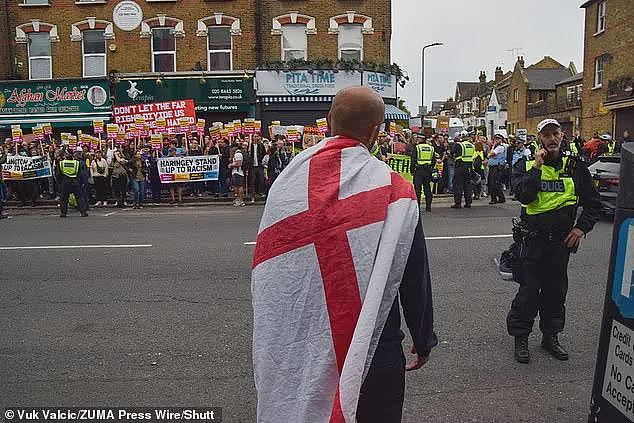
420, 361
574, 238
540, 156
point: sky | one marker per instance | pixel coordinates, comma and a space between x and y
477, 35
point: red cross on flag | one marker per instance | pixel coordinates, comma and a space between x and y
331, 251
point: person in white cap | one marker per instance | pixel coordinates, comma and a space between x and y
551, 188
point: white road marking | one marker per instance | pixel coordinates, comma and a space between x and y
444, 238
75, 247
110, 214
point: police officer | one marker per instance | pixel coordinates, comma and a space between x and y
421, 166
497, 164
463, 154
69, 173
550, 188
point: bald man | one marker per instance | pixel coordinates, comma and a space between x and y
333, 258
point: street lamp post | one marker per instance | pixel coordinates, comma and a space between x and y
422, 83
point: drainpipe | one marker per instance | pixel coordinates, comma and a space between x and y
10, 55
258, 32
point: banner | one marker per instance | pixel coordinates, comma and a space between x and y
19, 168
171, 111
189, 168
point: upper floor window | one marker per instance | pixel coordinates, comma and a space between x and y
35, 2
163, 49
40, 60
573, 93
598, 72
516, 95
294, 42
350, 42
219, 45
94, 52
601, 17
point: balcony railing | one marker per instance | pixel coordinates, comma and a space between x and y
568, 103
537, 109
620, 88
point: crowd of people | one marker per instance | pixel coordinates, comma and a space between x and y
127, 175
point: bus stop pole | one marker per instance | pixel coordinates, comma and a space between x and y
612, 398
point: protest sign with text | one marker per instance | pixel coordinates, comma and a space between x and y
19, 168
170, 111
189, 168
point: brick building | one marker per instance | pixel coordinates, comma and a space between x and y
608, 82
162, 45
533, 95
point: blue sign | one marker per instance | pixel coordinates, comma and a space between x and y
622, 289
492, 109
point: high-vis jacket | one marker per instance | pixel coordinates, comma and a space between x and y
424, 154
557, 189
69, 168
468, 151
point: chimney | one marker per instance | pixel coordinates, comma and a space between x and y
498, 74
483, 77
520, 59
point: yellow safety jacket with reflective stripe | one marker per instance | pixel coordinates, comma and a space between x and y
376, 150
557, 189
573, 148
468, 151
69, 168
424, 154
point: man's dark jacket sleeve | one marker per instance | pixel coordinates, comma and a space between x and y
413, 161
416, 297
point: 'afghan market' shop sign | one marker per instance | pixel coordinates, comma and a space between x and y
53, 101
304, 82
209, 95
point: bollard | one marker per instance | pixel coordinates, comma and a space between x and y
612, 398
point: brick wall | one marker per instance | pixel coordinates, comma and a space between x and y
517, 109
133, 53
618, 41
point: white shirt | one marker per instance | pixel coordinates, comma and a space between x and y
499, 149
255, 155
237, 170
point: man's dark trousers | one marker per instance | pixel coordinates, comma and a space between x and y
382, 394
496, 174
422, 179
462, 184
71, 186
543, 287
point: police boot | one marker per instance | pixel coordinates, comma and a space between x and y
551, 344
522, 355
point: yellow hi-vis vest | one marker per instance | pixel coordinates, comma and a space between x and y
468, 151
376, 150
69, 168
478, 154
573, 148
557, 189
424, 154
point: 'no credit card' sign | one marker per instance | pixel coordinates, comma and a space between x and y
622, 289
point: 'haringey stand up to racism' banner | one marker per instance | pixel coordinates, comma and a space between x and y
187, 169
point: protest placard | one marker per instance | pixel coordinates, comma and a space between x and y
189, 168
249, 126
257, 127
48, 128
157, 142
97, 126
322, 125
16, 133
19, 168
169, 111
112, 130
38, 133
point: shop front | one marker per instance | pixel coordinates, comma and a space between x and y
300, 97
67, 105
217, 97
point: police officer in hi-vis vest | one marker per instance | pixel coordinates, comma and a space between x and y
463, 153
69, 174
551, 188
421, 166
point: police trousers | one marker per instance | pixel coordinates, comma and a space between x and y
71, 185
543, 287
382, 394
462, 184
422, 179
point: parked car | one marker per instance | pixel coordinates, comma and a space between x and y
606, 174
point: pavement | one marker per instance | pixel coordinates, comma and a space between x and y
165, 318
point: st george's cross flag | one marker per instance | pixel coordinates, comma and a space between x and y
332, 247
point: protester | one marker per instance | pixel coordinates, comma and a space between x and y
99, 173
237, 178
119, 179
255, 167
138, 173
497, 165
324, 339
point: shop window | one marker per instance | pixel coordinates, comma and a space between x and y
294, 42
40, 60
94, 53
350, 42
219, 55
163, 49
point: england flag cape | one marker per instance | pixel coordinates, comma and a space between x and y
331, 250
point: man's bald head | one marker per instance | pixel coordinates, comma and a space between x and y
357, 112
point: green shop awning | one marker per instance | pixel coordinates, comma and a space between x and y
394, 113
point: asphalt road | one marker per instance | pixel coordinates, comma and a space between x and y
169, 324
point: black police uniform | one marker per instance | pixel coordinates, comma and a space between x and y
543, 276
423, 176
462, 179
70, 183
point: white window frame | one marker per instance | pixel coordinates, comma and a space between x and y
597, 61
230, 51
601, 17
339, 35
283, 55
104, 55
24, 3
516, 95
50, 58
579, 92
162, 52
